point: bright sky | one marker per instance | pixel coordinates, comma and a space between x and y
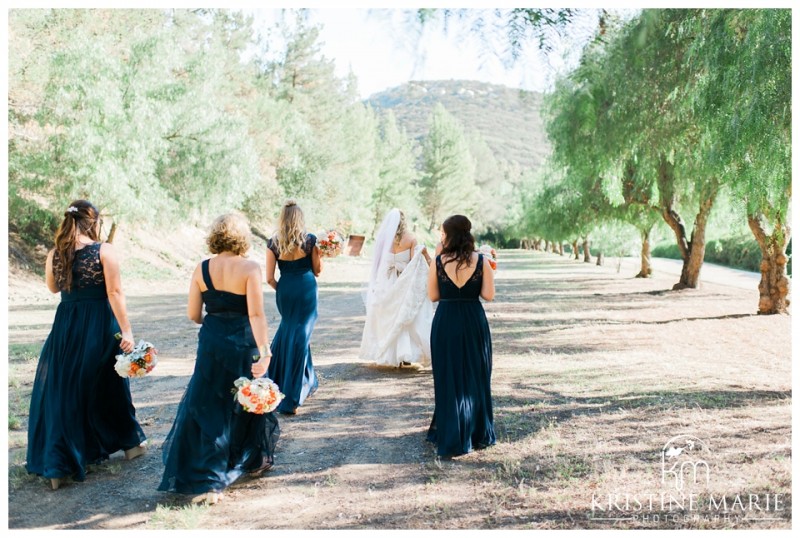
384, 51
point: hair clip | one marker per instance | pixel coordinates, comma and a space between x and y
72, 209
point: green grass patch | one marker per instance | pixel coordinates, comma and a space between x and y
178, 517
28, 351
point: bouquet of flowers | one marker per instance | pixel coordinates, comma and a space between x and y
257, 396
330, 243
139, 362
490, 254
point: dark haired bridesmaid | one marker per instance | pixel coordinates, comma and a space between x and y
461, 344
81, 409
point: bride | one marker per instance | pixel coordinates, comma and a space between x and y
398, 326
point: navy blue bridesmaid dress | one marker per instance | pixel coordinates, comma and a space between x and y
81, 410
214, 441
461, 359
291, 367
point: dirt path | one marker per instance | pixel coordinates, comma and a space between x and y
593, 372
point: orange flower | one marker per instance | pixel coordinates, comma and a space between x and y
246, 391
253, 399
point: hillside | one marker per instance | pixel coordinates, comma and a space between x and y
509, 119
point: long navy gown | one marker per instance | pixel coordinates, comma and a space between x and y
461, 359
81, 409
213, 440
291, 367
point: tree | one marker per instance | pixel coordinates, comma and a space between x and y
744, 96
397, 173
654, 131
518, 25
448, 169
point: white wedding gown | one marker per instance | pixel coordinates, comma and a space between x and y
399, 313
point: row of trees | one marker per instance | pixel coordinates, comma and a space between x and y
666, 114
173, 115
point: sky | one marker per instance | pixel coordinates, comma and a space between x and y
384, 51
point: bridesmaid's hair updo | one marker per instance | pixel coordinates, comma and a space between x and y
229, 233
81, 217
401, 227
458, 241
291, 232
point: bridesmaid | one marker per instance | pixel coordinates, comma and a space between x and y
81, 409
213, 440
461, 344
297, 256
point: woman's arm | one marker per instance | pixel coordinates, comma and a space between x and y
487, 283
316, 261
258, 321
433, 283
116, 298
271, 261
425, 254
194, 308
49, 277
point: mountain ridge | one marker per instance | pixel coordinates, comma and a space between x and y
509, 119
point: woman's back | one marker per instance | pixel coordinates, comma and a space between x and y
87, 273
298, 260
469, 289
225, 282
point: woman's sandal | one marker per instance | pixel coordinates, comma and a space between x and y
210, 497
266, 465
136, 451
55, 483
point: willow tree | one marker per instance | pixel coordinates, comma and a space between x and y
744, 97
576, 112
655, 131
133, 110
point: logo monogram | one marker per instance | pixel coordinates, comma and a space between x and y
680, 460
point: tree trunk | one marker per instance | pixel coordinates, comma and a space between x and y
692, 250
647, 269
575, 248
546, 245
112, 233
599, 258
560, 248
774, 286
587, 256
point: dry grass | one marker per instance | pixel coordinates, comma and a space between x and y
594, 372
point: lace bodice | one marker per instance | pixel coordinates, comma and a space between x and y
87, 271
471, 289
298, 265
